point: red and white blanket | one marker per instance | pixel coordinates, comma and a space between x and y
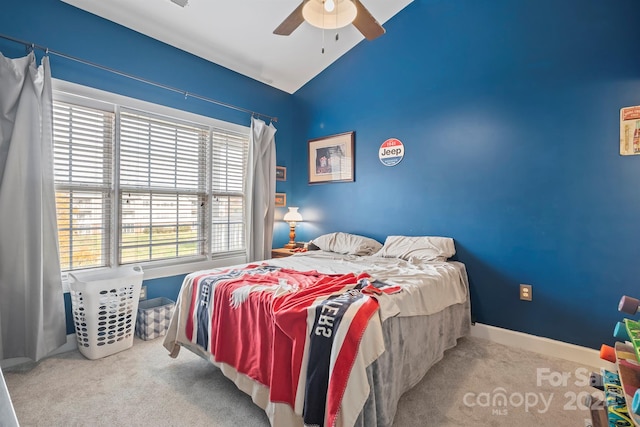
298, 333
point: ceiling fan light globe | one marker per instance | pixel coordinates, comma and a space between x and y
329, 5
343, 14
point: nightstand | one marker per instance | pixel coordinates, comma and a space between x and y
281, 252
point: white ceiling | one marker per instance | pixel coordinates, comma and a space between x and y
238, 34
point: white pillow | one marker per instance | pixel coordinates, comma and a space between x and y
424, 248
345, 243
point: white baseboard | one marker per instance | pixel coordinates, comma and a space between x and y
70, 345
548, 347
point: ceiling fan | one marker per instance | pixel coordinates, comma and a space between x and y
332, 14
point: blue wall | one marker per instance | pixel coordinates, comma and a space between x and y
509, 112
509, 115
69, 30
66, 29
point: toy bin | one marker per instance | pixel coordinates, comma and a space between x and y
105, 306
154, 316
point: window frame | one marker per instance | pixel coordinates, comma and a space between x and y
73, 93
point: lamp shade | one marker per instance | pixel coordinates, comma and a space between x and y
342, 14
293, 215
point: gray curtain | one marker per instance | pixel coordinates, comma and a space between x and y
260, 190
32, 317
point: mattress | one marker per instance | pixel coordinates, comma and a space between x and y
406, 336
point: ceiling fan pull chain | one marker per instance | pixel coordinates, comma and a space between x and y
337, 30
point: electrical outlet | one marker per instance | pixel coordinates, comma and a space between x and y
526, 292
143, 293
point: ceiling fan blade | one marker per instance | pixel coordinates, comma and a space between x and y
292, 22
366, 23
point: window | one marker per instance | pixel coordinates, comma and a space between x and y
138, 186
227, 219
82, 139
163, 193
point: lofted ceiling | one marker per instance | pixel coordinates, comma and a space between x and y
238, 34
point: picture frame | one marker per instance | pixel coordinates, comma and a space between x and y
630, 131
281, 173
281, 200
331, 158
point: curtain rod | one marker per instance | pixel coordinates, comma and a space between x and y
186, 94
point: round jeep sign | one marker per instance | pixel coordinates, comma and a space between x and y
391, 152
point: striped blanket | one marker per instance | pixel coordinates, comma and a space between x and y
298, 333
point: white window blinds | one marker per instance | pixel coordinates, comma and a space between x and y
229, 159
163, 191
141, 183
83, 139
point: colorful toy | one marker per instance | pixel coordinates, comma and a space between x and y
629, 374
617, 411
629, 305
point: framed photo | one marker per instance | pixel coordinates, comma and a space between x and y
281, 200
331, 159
281, 173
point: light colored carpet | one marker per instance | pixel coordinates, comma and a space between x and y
143, 386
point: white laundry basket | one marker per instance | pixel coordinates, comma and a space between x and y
105, 306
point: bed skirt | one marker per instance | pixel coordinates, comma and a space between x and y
413, 345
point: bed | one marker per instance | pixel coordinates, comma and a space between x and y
333, 336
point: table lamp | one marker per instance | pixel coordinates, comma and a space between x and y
292, 217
